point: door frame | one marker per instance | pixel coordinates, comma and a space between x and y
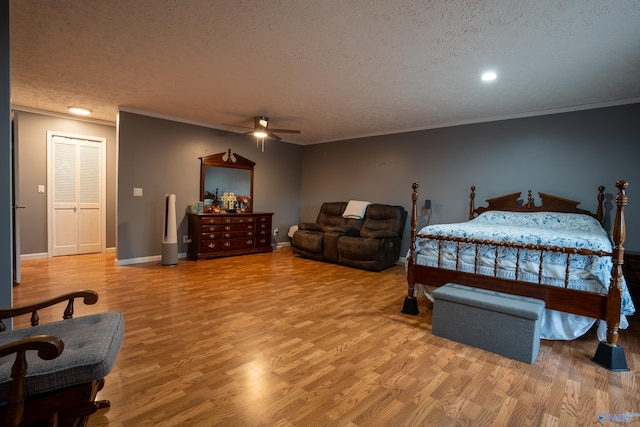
103, 185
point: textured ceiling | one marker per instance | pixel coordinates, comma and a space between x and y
334, 69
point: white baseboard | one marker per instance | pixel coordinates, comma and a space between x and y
141, 260
280, 245
26, 257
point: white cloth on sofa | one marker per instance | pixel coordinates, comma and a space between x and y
355, 209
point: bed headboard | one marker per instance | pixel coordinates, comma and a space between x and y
548, 203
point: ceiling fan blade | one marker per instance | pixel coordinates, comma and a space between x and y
236, 126
285, 130
273, 136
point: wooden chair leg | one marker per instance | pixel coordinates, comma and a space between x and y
70, 407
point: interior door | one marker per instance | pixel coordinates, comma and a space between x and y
76, 192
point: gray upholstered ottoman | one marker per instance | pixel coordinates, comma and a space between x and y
501, 323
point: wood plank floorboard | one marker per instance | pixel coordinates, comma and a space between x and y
277, 340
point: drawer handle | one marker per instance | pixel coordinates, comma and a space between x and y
211, 245
250, 233
212, 229
227, 244
227, 235
227, 220
212, 221
263, 241
212, 236
228, 227
249, 242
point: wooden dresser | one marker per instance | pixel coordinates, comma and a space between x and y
214, 235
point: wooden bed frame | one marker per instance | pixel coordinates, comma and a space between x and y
600, 306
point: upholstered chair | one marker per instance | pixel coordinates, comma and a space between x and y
50, 373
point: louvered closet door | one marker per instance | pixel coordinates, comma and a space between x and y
77, 196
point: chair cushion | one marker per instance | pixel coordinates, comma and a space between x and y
91, 345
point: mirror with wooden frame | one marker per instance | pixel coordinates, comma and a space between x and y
226, 182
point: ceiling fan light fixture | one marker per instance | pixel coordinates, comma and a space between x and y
260, 133
262, 121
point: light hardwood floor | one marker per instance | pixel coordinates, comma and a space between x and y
276, 340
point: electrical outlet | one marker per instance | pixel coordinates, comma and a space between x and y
275, 231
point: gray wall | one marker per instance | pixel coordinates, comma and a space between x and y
30, 131
162, 157
568, 155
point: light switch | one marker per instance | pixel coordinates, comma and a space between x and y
137, 192
41, 188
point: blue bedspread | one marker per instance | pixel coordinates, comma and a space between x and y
591, 273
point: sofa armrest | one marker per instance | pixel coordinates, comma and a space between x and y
310, 226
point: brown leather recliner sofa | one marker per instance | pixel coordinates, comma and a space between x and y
370, 243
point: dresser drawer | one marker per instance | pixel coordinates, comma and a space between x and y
210, 220
263, 232
238, 243
210, 228
263, 241
264, 226
210, 245
238, 220
238, 234
211, 236
237, 227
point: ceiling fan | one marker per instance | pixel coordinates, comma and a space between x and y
262, 131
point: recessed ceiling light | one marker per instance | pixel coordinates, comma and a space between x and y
79, 111
489, 76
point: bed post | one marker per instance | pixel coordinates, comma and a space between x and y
609, 354
472, 197
599, 212
410, 301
